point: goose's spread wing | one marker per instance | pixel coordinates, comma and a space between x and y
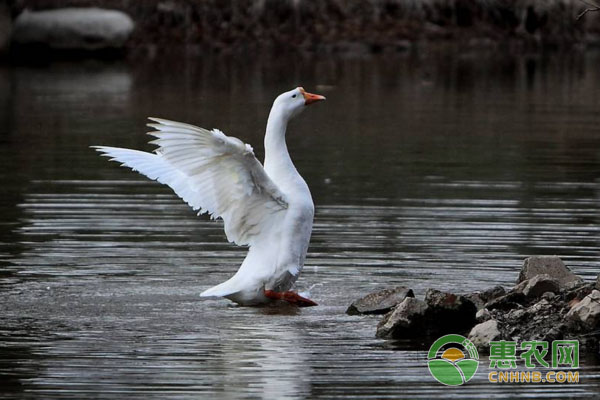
213, 173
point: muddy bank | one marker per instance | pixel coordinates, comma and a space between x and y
350, 26
548, 302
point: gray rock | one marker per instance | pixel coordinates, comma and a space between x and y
73, 28
380, 302
540, 284
587, 310
550, 265
492, 293
597, 285
549, 303
476, 299
439, 314
483, 333
520, 287
548, 296
516, 314
404, 321
512, 299
543, 320
539, 307
481, 298
483, 315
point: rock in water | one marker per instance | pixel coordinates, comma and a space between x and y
380, 302
439, 314
540, 284
449, 312
587, 310
406, 321
73, 28
549, 265
549, 303
483, 333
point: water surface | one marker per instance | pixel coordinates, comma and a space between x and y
440, 170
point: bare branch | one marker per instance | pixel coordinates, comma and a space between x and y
592, 7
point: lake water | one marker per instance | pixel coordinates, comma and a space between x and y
440, 170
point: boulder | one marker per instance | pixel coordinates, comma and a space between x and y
480, 298
587, 310
380, 302
483, 333
549, 265
73, 28
439, 314
405, 321
540, 284
549, 303
449, 312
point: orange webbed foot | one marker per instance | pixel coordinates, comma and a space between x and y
290, 297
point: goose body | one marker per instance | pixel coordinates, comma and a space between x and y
268, 208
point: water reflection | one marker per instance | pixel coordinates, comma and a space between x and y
428, 170
252, 354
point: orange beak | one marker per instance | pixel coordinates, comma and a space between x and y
310, 98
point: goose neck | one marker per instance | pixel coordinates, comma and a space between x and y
277, 157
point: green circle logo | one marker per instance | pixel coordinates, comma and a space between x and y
453, 360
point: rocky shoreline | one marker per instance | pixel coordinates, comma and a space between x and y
332, 26
548, 302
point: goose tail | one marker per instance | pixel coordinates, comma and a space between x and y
224, 289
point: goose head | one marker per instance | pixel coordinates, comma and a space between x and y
292, 103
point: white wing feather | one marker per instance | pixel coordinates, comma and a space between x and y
213, 173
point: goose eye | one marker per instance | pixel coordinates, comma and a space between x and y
294, 96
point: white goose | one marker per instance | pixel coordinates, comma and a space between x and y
270, 209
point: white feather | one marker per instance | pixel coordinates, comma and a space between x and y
212, 173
